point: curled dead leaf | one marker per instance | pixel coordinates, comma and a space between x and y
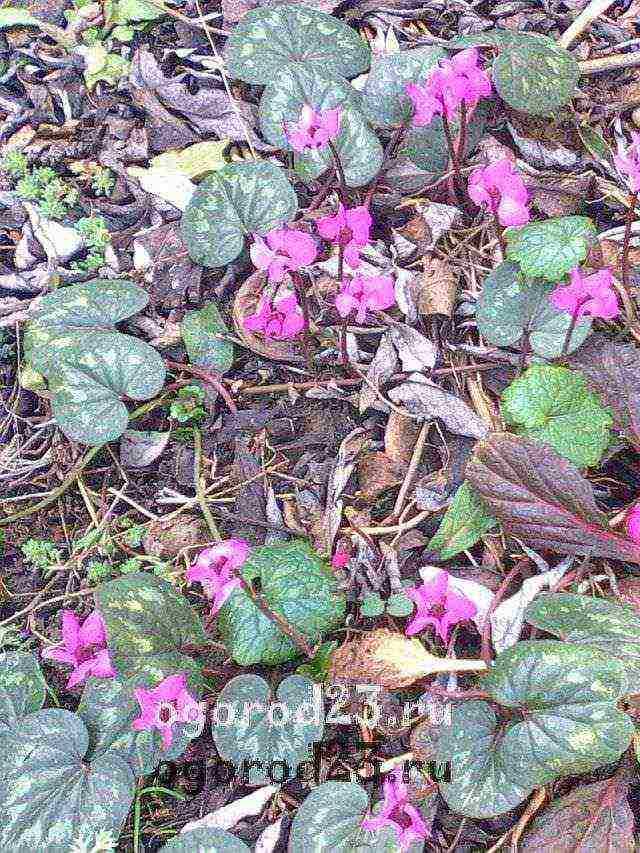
437, 294
378, 472
400, 436
246, 303
392, 660
167, 537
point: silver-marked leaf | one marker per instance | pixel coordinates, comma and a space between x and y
426, 147
423, 400
266, 40
358, 148
330, 819
593, 623
385, 101
249, 726
535, 77
564, 721
231, 204
108, 707
205, 840
147, 623
511, 305
50, 798
201, 332
22, 686
296, 85
86, 394
296, 584
500, 38
551, 247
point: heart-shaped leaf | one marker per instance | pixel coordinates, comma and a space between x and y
330, 818
256, 734
563, 721
201, 332
22, 686
385, 101
358, 148
511, 306
266, 40
49, 796
296, 584
552, 404
294, 86
592, 622
466, 520
205, 840
108, 707
89, 367
535, 77
550, 248
232, 203
147, 623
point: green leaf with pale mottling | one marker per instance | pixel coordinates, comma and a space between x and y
535, 77
201, 332
50, 798
358, 148
426, 147
266, 40
71, 340
592, 622
283, 99
511, 305
17, 18
22, 685
205, 840
466, 520
500, 38
385, 101
267, 735
232, 203
553, 404
108, 707
147, 623
563, 721
550, 248
296, 584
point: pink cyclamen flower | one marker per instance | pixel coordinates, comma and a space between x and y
633, 523
362, 293
84, 646
282, 249
438, 606
279, 320
349, 229
314, 128
165, 705
398, 813
500, 188
455, 81
628, 161
340, 559
216, 569
592, 295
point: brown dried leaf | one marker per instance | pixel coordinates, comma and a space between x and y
426, 400
167, 537
400, 437
382, 367
245, 303
543, 499
377, 473
415, 351
613, 372
438, 285
593, 818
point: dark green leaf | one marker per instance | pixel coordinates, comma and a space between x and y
231, 204
535, 77
511, 305
552, 404
49, 797
372, 605
426, 147
385, 101
591, 622
253, 733
318, 667
266, 40
500, 38
201, 332
205, 840
466, 520
550, 248
22, 686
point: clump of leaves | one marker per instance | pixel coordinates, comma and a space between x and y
54, 197
41, 553
188, 405
96, 236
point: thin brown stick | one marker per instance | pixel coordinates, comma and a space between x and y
626, 242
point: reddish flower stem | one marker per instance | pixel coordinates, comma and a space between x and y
631, 215
277, 619
390, 150
301, 293
574, 321
342, 184
462, 139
